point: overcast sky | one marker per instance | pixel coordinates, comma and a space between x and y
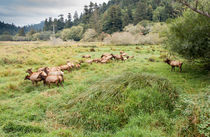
24, 12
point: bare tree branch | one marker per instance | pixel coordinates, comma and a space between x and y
194, 8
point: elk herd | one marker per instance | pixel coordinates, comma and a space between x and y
55, 75
50, 75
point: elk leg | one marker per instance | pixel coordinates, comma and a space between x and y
180, 68
172, 68
57, 83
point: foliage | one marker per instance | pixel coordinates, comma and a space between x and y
90, 35
75, 33
9, 28
42, 36
121, 38
196, 111
20, 38
6, 37
21, 32
112, 21
189, 36
142, 33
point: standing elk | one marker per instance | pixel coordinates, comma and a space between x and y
174, 63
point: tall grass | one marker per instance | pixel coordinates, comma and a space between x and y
137, 97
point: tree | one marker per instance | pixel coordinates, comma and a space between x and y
112, 21
21, 32
68, 21
46, 25
95, 21
189, 36
60, 23
76, 18
143, 12
127, 17
74, 33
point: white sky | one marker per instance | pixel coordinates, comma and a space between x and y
24, 12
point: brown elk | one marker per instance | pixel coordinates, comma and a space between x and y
86, 56
174, 63
34, 76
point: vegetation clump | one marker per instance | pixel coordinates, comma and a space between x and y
112, 103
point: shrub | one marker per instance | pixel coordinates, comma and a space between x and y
75, 33
20, 38
150, 39
137, 35
42, 36
121, 38
138, 29
189, 36
6, 37
90, 35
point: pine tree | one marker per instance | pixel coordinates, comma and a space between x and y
68, 21
46, 25
60, 24
112, 20
21, 32
76, 18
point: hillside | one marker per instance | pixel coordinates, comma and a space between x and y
6, 28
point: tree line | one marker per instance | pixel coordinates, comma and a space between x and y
116, 14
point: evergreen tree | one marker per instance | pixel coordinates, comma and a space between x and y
127, 17
50, 24
68, 21
46, 25
76, 18
95, 20
60, 24
21, 32
112, 20
143, 12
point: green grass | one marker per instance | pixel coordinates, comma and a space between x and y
138, 97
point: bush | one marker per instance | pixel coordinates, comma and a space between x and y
121, 38
150, 39
138, 29
189, 36
90, 35
75, 33
20, 38
6, 37
137, 35
42, 36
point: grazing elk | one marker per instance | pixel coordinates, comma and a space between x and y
174, 63
49, 79
34, 76
86, 56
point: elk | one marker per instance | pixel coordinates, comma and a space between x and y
86, 56
174, 63
51, 79
34, 76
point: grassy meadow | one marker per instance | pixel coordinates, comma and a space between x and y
140, 97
